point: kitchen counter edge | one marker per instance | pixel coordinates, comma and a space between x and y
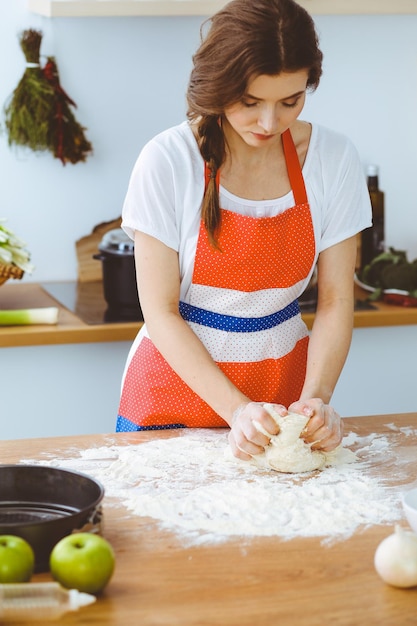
71, 329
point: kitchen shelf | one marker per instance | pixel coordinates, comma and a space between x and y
123, 8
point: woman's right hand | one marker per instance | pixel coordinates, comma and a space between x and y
245, 439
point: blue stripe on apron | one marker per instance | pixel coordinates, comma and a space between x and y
124, 425
234, 324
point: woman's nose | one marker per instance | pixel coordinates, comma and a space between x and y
268, 119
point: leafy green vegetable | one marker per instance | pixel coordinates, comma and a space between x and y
13, 250
400, 276
390, 270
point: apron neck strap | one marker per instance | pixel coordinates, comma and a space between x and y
294, 168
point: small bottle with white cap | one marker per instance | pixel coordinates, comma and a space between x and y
39, 601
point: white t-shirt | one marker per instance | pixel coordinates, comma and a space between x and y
167, 185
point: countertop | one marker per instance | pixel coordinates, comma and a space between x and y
72, 329
159, 580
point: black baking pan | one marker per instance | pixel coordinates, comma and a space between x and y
44, 504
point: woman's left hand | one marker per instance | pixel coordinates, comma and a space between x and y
325, 427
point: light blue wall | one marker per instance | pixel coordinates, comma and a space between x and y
128, 77
48, 391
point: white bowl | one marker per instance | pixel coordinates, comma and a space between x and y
409, 500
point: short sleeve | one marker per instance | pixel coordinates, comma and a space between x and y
149, 205
339, 187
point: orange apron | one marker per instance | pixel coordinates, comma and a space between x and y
243, 306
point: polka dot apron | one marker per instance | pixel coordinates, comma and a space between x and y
243, 306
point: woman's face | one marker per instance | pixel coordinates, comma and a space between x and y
269, 107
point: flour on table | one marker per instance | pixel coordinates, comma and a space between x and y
287, 452
190, 486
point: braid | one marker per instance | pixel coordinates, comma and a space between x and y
212, 149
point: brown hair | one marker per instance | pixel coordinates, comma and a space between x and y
246, 39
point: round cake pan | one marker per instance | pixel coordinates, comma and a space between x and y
44, 504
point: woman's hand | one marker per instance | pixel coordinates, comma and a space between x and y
244, 438
324, 429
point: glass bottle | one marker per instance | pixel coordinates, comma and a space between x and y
372, 239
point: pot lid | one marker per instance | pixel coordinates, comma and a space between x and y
116, 241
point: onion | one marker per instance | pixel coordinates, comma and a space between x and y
396, 558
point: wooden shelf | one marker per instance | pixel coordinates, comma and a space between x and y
123, 8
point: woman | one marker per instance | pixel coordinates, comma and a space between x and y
231, 211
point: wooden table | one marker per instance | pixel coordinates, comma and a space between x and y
159, 582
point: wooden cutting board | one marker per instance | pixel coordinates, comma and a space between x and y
90, 269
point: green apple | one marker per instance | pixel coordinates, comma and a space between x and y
82, 561
17, 559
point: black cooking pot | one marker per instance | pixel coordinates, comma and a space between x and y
119, 276
44, 504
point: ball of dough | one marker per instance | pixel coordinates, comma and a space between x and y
287, 452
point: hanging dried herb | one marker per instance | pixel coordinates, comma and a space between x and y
29, 109
66, 136
38, 114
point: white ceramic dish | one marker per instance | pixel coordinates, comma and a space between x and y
367, 287
409, 500
364, 286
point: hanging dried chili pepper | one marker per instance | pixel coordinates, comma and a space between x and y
67, 139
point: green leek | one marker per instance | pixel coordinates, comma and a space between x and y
21, 317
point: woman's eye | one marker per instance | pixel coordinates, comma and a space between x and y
291, 105
249, 103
